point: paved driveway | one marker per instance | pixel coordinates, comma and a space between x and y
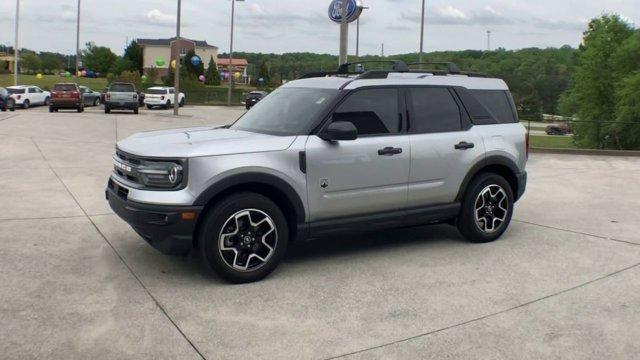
77, 283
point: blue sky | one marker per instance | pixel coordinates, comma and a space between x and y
302, 25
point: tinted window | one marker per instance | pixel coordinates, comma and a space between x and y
122, 88
286, 111
15, 91
64, 87
373, 112
434, 110
498, 103
156, 91
3, 92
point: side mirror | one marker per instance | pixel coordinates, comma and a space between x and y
340, 130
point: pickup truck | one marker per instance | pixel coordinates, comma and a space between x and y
121, 96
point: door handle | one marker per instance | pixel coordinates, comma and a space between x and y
389, 151
463, 145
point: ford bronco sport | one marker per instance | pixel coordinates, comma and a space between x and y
329, 153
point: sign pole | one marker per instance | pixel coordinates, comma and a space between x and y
344, 32
422, 35
176, 75
16, 68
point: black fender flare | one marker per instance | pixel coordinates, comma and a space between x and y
254, 178
488, 161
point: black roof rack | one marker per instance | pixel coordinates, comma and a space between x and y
398, 65
451, 67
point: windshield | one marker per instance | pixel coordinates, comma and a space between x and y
64, 87
15, 91
122, 88
157, 91
286, 111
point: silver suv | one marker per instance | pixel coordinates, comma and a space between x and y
329, 153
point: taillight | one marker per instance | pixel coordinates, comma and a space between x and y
75, 94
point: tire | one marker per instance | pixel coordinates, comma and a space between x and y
168, 104
26, 104
11, 105
248, 107
80, 108
497, 196
107, 109
149, 107
181, 104
46, 101
96, 102
51, 109
222, 219
136, 110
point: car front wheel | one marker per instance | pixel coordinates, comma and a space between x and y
243, 238
486, 208
26, 104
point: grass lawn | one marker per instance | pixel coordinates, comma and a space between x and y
47, 81
551, 142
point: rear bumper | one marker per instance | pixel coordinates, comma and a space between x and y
65, 104
127, 105
160, 225
522, 184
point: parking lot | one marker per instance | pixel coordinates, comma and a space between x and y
77, 282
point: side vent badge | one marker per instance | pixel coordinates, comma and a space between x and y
324, 183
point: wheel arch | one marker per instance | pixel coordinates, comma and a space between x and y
500, 165
271, 186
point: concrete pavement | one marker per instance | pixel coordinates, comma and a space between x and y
77, 282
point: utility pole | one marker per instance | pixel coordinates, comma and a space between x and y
422, 35
382, 51
344, 33
230, 68
488, 40
15, 47
358, 38
176, 75
78, 41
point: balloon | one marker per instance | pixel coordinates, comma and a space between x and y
67, 74
195, 60
237, 75
144, 77
201, 78
79, 73
84, 72
261, 80
39, 76
173, 64
160, 62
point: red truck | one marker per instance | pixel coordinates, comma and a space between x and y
66, 96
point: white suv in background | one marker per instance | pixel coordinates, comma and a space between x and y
162, 96
27, 95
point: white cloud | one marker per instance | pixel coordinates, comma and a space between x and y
160, 18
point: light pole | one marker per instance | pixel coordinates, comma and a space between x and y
78, 41
344, 32
421, 34
176, 75
358, 35
15, 47
230, 68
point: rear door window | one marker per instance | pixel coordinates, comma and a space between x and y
64, 87
122, 88
434, 110
372, 111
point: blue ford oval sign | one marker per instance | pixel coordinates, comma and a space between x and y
354, 9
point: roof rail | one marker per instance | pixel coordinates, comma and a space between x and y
451, 67
398, 65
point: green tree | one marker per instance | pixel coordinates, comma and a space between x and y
50, 62
263, 72
30, 61
122, 64
625, 131
133, 54
190, 70
98, 58
595, 78
132, 77
212, 76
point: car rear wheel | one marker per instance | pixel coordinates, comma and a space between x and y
11, 105
107, 109
51, 109
181, 104
486, 208
149, 107
96, 102
26, 104
136, 110
80, 108
168, 104
243, 238
47, 101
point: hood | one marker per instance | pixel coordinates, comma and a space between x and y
201, 141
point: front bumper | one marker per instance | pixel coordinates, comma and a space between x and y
522, 184
162, 226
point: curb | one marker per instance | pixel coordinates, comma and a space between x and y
584, 152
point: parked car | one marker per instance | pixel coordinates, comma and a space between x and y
121, 96
325, 155
253, 98
91, 98
558, 129
66, 96
162, 97
6, 101
27, 95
